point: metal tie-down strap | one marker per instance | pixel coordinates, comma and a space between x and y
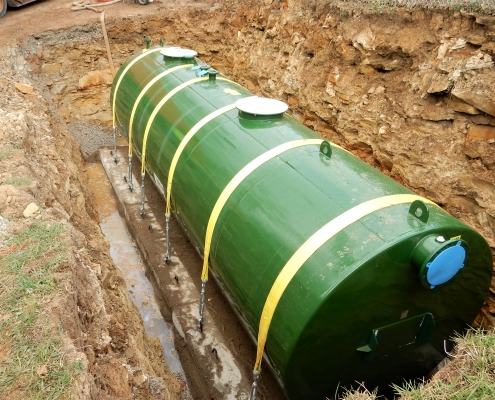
229, 189
176, 157
307, 250
135, 106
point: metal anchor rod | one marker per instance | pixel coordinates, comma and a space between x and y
115, 145
254, 388
142, 212
130, 172
167, 231
202, 304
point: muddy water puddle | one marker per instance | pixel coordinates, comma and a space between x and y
126, 256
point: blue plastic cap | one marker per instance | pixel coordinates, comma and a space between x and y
446, 265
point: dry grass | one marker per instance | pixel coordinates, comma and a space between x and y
360, 394
5, 153
470, 376
472, 6
17, 181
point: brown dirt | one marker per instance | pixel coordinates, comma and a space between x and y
19, 24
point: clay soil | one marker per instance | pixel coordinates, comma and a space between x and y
389, 86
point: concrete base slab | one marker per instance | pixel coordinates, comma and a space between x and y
226, 373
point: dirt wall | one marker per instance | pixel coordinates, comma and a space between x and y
101, 328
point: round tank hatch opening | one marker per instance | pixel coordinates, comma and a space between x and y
178, 52
438, 261
255, 107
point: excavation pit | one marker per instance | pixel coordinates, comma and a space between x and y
357, 100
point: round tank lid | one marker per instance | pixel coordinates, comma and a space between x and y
178, 52
261, 106
445, 265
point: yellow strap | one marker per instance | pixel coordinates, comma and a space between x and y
158, 108
122, 76
183, 144
143, 92
309, 247
236, 181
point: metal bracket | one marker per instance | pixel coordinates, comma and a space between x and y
147, 41
326, 149
382, 341
419, 210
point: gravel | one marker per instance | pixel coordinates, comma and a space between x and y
90, 137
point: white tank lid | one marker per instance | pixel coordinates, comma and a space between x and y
178, 52
261, 106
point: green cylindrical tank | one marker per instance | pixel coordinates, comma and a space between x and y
362, 280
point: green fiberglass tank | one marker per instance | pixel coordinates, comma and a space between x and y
341, 274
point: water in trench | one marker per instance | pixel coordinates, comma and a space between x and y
127, 258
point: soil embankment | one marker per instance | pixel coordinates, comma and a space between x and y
100, 327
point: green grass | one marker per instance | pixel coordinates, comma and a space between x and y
5, 153
17, 181
471, 375
26, 284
